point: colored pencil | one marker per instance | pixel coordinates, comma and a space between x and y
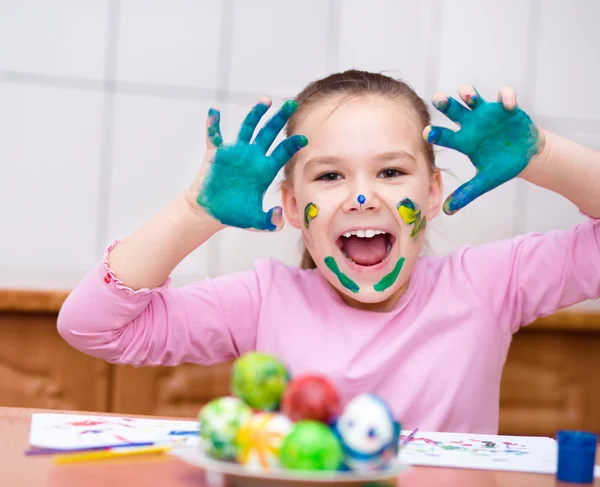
110, 454
53, 451
406, 440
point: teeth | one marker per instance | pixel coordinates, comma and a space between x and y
369, 233
347, 256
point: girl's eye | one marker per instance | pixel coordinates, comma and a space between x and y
391, 173
329, 176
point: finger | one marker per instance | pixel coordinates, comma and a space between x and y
251, 121
286, 150
470, 96
267, 135
441, 136
213, 129
274, 220
508, 98
466, 193
453, 109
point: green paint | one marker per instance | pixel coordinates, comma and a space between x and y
390, 278
240, 173
310, 213
344, 279
499, 142
259, 379
311, 445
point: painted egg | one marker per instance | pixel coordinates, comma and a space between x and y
368, 432
311, 445
311, 396
259, 441
259, 379
220, 420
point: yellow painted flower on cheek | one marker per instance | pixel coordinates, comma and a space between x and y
411, 213
310, 213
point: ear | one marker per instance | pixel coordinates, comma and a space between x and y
436, 187
290, 205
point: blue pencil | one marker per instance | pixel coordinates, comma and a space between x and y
184, 433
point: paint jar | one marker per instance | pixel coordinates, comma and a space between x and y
576, 456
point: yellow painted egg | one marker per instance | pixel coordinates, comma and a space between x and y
259, 440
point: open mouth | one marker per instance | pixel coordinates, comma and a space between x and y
366, 248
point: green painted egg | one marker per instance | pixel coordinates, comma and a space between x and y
220, 420
311, 445
259, 379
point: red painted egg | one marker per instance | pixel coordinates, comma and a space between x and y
311, 396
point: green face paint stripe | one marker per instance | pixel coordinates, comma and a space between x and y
419, 227
344, 279
390, 278
310, 213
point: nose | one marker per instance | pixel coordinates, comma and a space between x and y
361, 201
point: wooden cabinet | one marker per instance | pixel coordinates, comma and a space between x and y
168, 391
551, 379
37, 367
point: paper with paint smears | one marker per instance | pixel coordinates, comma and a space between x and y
68, 431
487, 452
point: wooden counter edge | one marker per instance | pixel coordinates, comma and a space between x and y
34, 301
31, 301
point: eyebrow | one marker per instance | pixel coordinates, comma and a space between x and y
382, 157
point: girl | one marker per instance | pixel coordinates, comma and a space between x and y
428, 334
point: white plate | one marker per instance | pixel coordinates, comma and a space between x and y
229, 474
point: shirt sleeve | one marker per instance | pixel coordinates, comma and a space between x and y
208, 322
534, 275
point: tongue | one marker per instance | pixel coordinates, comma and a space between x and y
366, 251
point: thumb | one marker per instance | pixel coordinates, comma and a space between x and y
274, 220
469, 191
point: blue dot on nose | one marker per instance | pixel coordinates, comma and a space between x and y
361, 199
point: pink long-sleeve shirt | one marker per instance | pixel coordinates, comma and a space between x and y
436, 357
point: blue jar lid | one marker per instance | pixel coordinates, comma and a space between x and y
576, 456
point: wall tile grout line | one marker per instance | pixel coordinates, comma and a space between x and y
222, 96
434, 44
107, 146
333, 36
47, 80
108, 127
591, 126
533, 37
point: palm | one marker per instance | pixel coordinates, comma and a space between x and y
240, 173
499, 142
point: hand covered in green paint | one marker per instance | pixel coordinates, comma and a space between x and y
237, 175
498, 137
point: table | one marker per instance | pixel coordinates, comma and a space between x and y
18, 470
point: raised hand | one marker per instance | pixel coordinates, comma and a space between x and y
498, 137
238, 175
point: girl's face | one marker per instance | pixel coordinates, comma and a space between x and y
362, 192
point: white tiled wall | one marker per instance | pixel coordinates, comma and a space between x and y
103, 102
